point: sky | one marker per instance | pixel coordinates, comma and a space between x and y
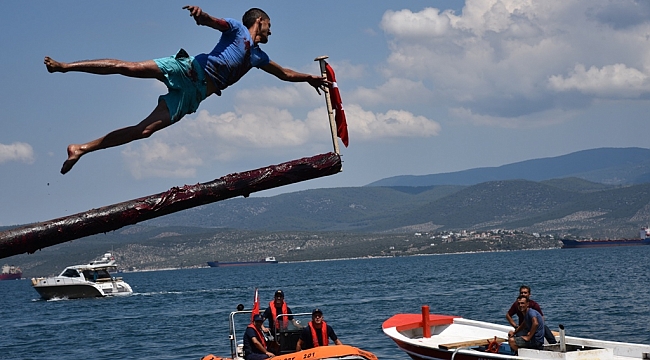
428, 87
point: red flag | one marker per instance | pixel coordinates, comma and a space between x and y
337, 104
256, 306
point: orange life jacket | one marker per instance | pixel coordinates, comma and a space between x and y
260, 337
274, 313
314, 337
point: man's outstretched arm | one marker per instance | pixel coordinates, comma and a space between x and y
203, 18
294, 76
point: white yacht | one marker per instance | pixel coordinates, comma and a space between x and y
84, 281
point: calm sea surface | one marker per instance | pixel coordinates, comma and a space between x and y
183, 314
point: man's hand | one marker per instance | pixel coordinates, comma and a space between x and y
319, 82
195, 12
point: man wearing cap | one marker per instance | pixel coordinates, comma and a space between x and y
316, 333
254, 343
276, 307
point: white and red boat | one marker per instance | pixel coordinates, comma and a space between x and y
445, 337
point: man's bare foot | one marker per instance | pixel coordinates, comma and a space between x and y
53, 66
74, 153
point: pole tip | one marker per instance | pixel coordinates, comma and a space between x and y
321, 58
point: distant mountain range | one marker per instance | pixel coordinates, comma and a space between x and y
536, 196
614, 166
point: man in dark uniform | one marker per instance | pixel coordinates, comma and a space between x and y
276, 307
254, 343
316, 333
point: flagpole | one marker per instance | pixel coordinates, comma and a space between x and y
328, 102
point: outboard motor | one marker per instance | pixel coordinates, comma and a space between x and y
562, 339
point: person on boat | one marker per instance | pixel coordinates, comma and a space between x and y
276, 307
524, 290
316, 333
254, 342
190, 80
532, 324
514, 309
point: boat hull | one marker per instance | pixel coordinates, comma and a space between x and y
15, 276
576, 244
426, 353
68, 292
333, 352
240, 263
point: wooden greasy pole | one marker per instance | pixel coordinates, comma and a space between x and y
328, 102
28, 239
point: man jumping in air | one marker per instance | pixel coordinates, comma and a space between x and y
189, 79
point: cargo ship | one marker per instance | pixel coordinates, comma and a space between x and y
265, 261
644, 239
10, 273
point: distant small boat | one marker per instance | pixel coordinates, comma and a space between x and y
83, 281
265, 261
10, 273
644, 239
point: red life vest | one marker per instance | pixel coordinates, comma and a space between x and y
260, 337
274, 313
314, 337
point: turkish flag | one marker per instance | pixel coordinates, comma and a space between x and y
337, 104
256, 306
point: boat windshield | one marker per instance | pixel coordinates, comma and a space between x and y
70, 273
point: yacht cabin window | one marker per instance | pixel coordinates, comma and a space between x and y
70, 273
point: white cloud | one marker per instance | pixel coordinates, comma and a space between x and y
206, 138
612, 80
155, 158
427, 22
510, 59
367, 125
18, 151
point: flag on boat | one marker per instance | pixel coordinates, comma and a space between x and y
256, 306
337, 104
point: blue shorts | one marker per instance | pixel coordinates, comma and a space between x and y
186, 83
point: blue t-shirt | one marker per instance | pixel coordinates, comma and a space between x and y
232, 57
539, 333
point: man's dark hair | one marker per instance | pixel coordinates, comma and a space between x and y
251, 15
525, 287
523, 297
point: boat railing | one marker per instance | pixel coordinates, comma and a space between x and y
234, 343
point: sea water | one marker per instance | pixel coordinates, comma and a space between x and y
183, 314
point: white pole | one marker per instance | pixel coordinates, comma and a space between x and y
328, 102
